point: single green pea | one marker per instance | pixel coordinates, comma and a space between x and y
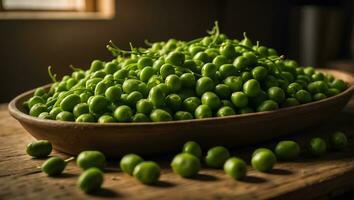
123, 113
225, 102
251, 57
81, 108
121, 74
173, 82
276, 94
234, 82
193, 148
147, 172
338, 140
290, 102
241, 63
186, 165
86, 117
146, 73
134, 97
157, 96
39, 148
339, 85
190, 104
236, 168
225, 111
263, 160
175, 58
96, 65
157, 65
202, 56
45, 115
140, 117
88, 159
39, 92
259, 73
35, 100
227, 70
85, 96
188, 80
144, 106
173, 101
98, 104
303, 96
65, 116
287, 150
228, 51
90, 180
128, 163
332, 92
245, 76
223, 91
293, 88
106, 119
166, 70
251, 88
211, 99
159, 115
317, 146
182, 115
37, 109
239, 99
145, 62
209, 70
98, 74
317, 86
318, 96
164, 88
245, 110
54, 166
204, 84
267, 105
203, 111
110, 68
131, 85
219, 60
113, 93
217, 156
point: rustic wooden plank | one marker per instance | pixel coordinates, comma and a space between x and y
307, 178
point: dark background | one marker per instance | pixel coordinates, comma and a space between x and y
28, 47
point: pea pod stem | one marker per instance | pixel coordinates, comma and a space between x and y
51, 75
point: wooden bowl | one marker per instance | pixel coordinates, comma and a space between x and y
117, 139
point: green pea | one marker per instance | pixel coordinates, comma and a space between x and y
241, 63
246, 110
186, 165
65, 116
219, 60
204, 84
121, 74
98, 104
96, 65
45, 115
123, 113
228, 103
192, 148
338, 140
239, 99
202, 56
157, 96
211, 99
318, 96
259, 73
339, 85
251, 88
332, 92
39, 148
157, 65
317, 146
190, 104
263, 161
235, 167
54, 166
183, 115
209, 70
287, 150
259, 150
276, 94
293, 88
173, 101
225, 111
140, 117
110, 68
144, 62
80, 109
90, 180
144, 106
175, 58
146, 73
88, 159
227, 70
303, 96
147, 172
317, 86
188, 80
267, 105
159, 115
106, 119
39, 92
223, 91
113, 93
166, 70
37, 109
228, 51
234, 82
290, 102
217, 156
203, 111
134, 97
245, 76
98, 74
129, 162
35, 100
86, 117
173, 83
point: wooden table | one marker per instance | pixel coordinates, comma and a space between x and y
305, 178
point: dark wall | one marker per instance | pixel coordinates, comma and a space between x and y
28, 47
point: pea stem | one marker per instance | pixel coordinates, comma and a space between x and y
51, 75
74, 68
147, 42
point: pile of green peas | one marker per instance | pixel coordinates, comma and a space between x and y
212, 76
187, 163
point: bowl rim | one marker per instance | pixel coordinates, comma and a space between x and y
21, 116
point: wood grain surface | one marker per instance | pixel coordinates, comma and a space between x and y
305, 178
